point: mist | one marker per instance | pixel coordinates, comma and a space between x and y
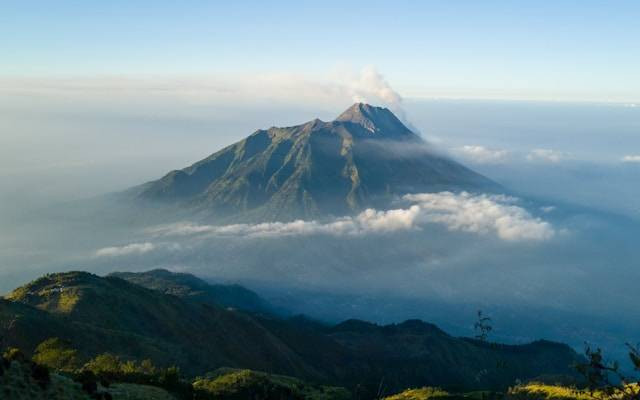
64, 145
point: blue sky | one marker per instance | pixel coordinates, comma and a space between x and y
137, 88
578, 50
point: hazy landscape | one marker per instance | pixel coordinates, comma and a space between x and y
330, 225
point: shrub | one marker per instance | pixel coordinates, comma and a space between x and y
13, 354
40, 374
56, 354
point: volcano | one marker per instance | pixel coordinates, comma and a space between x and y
366, 157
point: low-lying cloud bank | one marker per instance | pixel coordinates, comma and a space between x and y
632, 158
547, 155
481, 154
482, 214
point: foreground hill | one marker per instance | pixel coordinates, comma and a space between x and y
365, 157
193, 288
109, 314
421, 353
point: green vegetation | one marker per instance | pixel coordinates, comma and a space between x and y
112, 324
128, 391
538, 391
230, 384
424, 393
108, 377
195, 289
107, 368
427, 393
21, 379
57, 355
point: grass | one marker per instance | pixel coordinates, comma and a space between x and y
424, 393
16, 383
129, 391
537, 391
236, 384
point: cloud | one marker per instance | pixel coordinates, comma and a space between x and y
315, 91
133, 248
368, 221
192, 96
481, 154
480, 214
547, 155
634, 158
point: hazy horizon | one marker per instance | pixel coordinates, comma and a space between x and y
522, 200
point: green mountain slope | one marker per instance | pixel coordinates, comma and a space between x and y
366, 157
190, 287
418, 353
247, 384
109, 314
137, 322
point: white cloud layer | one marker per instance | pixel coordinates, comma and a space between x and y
480, 214
633, 158
547, 155
129, 249
481, 154
317, 91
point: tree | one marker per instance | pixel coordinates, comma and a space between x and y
482, 326
13, 354
56, 354
104, 365
146, 367
605, 380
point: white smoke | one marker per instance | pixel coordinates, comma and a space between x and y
369, 86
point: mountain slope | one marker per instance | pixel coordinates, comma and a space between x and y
420, 353
193, 288
366, 157
108, 314
135, 321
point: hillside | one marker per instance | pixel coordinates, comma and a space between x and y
22, 379
190, 287
416, 353
247, 384
364, 158
109, 314
133, 321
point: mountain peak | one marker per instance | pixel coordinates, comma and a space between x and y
374, 119
313, 170
359, 112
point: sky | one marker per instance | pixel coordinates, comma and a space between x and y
541, 96
99, 96
543, 50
